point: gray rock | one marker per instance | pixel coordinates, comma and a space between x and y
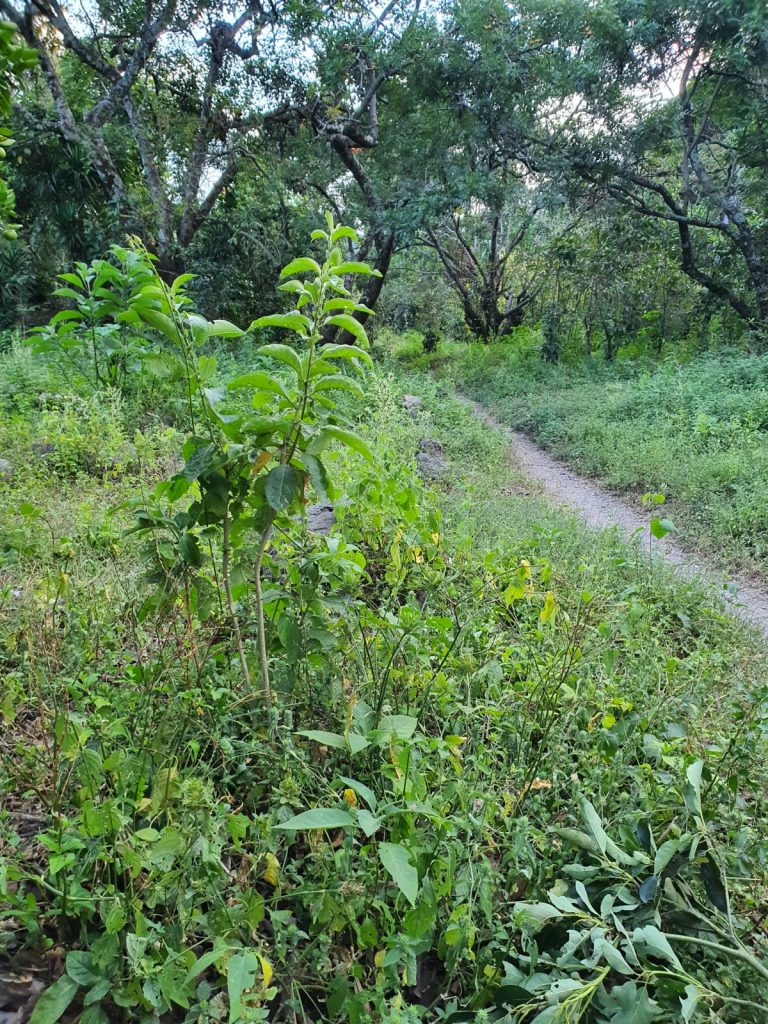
320, 519
412, 404
430, 459
6, 469
42, 449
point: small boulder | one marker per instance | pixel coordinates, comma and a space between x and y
430, 459
42, 448
320, 519
412, 404
6, 469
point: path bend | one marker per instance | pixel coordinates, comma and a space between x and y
599, 509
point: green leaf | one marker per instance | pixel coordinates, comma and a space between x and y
346, 352
689, 1004
163, 365
354, 327
667, 851
80, 967
284, 354
351, 267
54, 1001
661, 527
293, 321
367, 822
338, 382
633, 1005
657, 942
347, 437
241, 973
302, 265
317, 474
342, 231
400, 727
362, 790
539, 912
260, 380
357, 742
94, 1014
328, 739
224, 329
160, 322
612, 956
282, 487
692, 791
396, 861
319, 817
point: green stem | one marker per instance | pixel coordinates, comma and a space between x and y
740, 954
225, 551
262, 637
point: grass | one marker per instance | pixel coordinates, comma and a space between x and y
698, 433
538, 665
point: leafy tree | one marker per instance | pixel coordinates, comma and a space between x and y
692, 160
14, 59
172, 96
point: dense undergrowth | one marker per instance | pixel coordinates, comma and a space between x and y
508, 771
696, 432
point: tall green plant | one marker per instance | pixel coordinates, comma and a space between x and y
96, 336
15, 58
248, 471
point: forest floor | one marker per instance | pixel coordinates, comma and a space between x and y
599, 509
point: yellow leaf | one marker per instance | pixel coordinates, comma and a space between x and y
266, 968
541, 784
351, 797
261, 462
525, 565
435, 538
418, 556
379, 958
609, 720
549, 609
272, 870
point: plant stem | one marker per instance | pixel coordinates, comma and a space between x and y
740, 954
230, 603
263, 660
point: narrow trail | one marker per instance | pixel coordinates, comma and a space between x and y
599, 509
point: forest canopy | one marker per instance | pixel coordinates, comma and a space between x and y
509, 152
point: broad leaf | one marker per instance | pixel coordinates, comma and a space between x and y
293, 321
319, 817
284, 354
338, 382
347, 437
397, 862
346, 352
224, 329
262, 381
302, 265
352, 267
354, 327
241, 973
367, 822
657, 942
282, 487
54, 1002
328, 739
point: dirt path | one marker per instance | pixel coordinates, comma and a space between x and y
599, 509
